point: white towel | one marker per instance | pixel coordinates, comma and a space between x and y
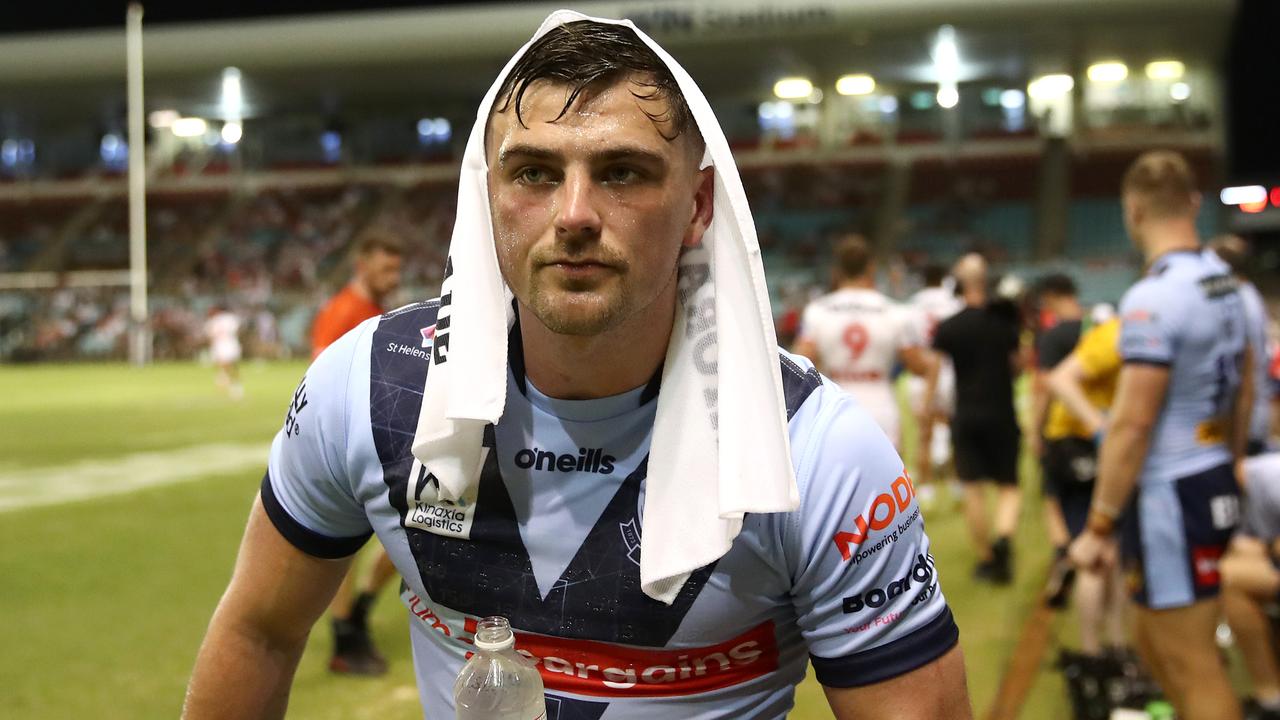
719, 447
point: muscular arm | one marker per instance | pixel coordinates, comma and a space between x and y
251, 649
1140, 397
926, 364
936, 690
1065, 382
1039, 409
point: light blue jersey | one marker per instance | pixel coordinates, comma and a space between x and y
551, 540
1187, 314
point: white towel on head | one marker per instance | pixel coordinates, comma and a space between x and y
719, 447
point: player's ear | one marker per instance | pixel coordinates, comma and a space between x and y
703, 206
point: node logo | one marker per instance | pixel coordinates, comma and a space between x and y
426, 510
880, 515
291, 425
592, 460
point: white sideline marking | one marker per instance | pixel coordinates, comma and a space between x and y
88, 479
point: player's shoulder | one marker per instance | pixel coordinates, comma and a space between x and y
406, 332
832, 436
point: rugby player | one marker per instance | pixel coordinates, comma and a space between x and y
856, 334
933, 303
378, 256
1178, 424
222, 330
594, 185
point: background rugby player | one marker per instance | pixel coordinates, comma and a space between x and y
1178, 424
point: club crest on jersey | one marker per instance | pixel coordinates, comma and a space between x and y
426, 510
631, 538
428, 335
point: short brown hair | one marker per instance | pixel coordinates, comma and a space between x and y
378, 238
853, 256
587, 56
1164, 181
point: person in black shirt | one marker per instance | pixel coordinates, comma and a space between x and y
982, 341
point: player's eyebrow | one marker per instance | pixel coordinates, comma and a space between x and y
508, 154
630, 152
634, 153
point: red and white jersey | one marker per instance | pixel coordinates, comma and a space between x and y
933, 305
858, 333
223, 332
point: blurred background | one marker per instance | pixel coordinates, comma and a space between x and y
275, 134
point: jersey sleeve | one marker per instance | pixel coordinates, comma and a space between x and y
865, 587
914, 328
1099, 350
307, 492
1149, 325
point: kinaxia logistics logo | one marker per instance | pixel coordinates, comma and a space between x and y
592, 460
427, 510
880, 515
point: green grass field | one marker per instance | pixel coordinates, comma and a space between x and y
105, 598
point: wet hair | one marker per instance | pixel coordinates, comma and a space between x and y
853, 256
1164, 181
591, 56
1056, 285
378, 239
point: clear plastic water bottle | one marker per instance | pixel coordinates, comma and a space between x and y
497, 683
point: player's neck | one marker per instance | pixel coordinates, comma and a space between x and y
1168, 237
577, 367
362, 289
975, 296
858, 283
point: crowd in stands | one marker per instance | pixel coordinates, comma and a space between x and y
273, 255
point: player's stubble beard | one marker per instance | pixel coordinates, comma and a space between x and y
585, 309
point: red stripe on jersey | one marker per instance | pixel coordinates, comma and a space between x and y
593, 668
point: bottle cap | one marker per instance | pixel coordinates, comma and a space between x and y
494, 633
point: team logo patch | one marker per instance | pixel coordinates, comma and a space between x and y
428, 335
631, 538
428, 511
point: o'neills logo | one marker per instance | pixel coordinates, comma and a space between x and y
589, 667
592, 460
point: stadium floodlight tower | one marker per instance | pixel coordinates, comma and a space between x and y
139, 324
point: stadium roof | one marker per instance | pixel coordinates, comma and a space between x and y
344, 59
